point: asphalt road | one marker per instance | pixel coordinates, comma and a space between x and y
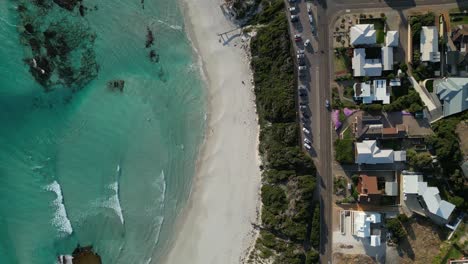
318, 59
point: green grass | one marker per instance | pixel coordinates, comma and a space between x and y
430, 86
380, 36
340, 64
462, 21
348, 134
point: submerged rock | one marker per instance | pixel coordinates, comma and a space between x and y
67, 4
149, 38
154, 57
116, 85
59, 47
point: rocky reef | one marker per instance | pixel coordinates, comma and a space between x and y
59, 45
81, 255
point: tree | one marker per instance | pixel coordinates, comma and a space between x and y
312, 257
419, 161
273, 198
395, 227
315, 229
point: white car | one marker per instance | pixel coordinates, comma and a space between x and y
300, 51
300, 56
306, 130
311, 19
307, 42
302, 68
292, 9
307, 141
307, 146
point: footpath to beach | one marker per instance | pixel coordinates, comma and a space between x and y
216, 225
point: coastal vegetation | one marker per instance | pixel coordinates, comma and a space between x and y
288, 218
446, 145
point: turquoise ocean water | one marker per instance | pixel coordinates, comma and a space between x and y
84, 164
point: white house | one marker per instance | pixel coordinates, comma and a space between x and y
361, 225
387, 58
453, 94
392, 39
367, 152
413, 184
365, 67
362, 34
429, 46
370, 92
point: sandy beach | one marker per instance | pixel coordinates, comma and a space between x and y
216, 225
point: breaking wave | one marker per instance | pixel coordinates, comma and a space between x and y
60, 220
114, 201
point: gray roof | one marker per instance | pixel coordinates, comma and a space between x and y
391, 188
465, 168
453, 94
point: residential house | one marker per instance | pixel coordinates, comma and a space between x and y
367, 152
392, 39
425, 200
372, 127
457, 56
429, 45
371, 92
453, 94
367, 188
363, 66
366, 225
387, 58
362, 34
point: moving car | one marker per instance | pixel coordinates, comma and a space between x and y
327, 103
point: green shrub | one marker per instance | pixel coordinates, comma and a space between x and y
344, 150
315, 230
394, 226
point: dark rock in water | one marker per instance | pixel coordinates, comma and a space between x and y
143, 4
21, 8
67, 4
154, 57
116, 85
29, 28
81, 255
41, 69
82, 10
35, 45
149, 38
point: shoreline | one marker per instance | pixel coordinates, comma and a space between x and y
215, 226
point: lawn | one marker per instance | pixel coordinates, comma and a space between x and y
378, 26
340, 65
430, 86
458, 19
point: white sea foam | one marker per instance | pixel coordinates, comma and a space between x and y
65, 259
175, 27
60, 220
114, 201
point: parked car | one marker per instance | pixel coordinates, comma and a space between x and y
301, 62
291, 1
302, 92
294, 18
307, 141
306, 130
303, 103
307, 146
300, 56
302, 68
300, 51
311, 19
292, 9
297, 37
307, 43
305, 114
